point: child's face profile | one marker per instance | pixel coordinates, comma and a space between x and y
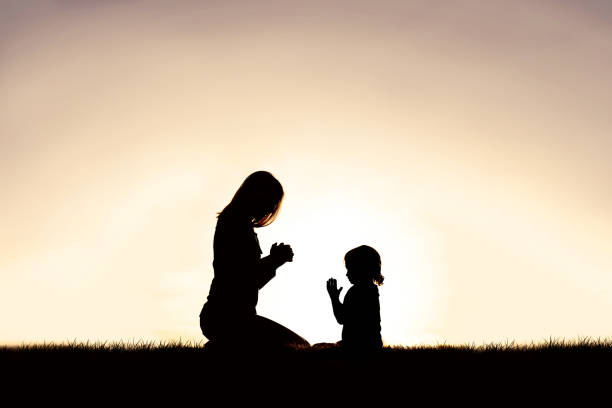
352, 275
362, 264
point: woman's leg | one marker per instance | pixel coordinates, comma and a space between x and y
269, 334
224, 330
246, 331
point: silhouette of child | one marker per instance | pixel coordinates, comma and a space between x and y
360, 312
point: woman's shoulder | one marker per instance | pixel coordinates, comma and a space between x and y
230, 220
235, 232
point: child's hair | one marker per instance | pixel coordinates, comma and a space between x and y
365, 260
260, 190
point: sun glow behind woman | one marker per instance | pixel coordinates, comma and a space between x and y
467, 144
322, 229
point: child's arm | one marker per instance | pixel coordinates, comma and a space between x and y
334, 294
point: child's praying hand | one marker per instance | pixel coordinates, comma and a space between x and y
333, 290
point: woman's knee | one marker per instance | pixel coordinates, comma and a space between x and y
271, 332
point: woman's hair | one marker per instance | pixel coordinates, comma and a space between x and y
259, 197
365, 261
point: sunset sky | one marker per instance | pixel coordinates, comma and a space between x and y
467, 141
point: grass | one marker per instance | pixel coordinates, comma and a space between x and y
580, 344
107, 346
466, 371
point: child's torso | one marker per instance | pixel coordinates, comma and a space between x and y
362, 315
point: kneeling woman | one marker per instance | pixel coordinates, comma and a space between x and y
229, 316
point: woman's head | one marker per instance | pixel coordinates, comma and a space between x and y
363, 265
259, 198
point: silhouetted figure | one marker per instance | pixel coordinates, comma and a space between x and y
360, 313
229, 317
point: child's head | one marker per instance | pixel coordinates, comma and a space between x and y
259, 197
363, 265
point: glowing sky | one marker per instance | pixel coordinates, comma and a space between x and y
467, 141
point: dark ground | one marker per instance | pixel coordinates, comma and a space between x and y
127, 375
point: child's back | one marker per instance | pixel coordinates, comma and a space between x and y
361, 323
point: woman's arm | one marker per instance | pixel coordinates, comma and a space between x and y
267, 266
237, 250
265, 271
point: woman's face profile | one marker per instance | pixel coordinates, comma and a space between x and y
258, 198
262, 207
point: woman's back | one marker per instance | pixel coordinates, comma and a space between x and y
236, 253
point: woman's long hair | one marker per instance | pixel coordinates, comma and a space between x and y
259, 197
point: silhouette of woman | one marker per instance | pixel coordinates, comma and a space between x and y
229, 316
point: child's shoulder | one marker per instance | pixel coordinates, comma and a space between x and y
364, 288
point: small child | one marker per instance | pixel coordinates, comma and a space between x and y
360, 312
